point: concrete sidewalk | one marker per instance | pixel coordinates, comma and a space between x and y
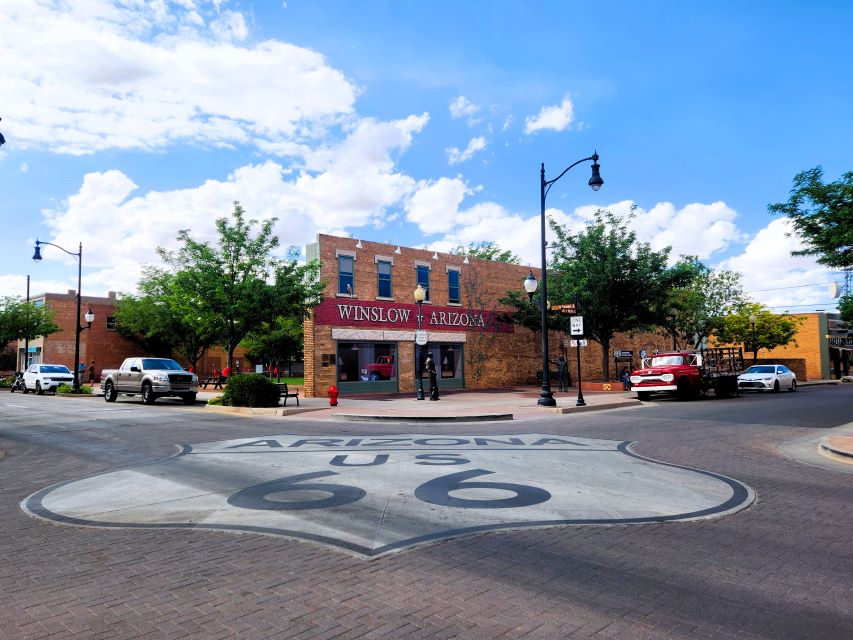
454, 406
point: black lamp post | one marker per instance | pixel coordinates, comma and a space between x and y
90, 317
420, 294
546, 398
752, 321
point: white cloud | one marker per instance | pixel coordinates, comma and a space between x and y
455, 156
85, 76
557, 118
434, 206
349, 185
775, 278
24, 167
461, 107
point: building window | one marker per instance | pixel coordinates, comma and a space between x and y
111, 323
345, 270
423, 279
453, 286
383, 270
367, 361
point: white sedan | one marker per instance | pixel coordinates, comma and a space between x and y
767, 377
46, 377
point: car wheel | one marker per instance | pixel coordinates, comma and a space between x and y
776, 387
188, 398
148, 396
110, 393
39, 390
793, 385
643, 395
684, 391
375, 376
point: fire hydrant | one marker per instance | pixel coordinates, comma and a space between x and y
333, 396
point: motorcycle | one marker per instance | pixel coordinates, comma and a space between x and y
18, 382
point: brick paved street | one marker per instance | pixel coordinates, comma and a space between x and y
783, 568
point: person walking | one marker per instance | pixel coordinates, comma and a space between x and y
92, 372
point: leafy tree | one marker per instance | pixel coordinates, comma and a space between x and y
620, 284
486, 251
770, 330
238, 284
164, 316
276, 342
822, 215
24, 320
693, 309
845, 307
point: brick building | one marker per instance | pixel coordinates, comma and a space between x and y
102, 343
361, 337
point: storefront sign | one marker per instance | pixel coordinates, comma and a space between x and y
388, 315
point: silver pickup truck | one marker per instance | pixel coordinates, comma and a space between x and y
151, 378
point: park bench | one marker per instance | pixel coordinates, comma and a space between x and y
283, 392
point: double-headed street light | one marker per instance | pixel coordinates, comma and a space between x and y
90, 317
546, 398
420, 295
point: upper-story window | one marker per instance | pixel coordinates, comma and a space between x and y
423, 278
111, 323
453, 286
383, 274
346, 264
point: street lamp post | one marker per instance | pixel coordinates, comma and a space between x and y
752, 321
546, 398
90, 317
420, 294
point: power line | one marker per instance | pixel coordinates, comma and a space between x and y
796, 286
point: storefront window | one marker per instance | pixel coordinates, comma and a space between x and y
367, 361
448, 360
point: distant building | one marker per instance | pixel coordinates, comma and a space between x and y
102, 343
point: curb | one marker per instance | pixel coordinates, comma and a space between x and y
357, 417
599, 407
827, 445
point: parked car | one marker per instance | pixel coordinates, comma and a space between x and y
46, 377
767, 377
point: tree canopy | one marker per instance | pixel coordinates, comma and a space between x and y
769, 331
620, 284
822, 215
238, 284
486, 251
24, 320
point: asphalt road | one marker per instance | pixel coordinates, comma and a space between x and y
780, 568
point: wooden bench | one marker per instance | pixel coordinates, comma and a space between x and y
283, 392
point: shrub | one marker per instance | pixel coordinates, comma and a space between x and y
250, 390
5, 383
217, 400
67, 388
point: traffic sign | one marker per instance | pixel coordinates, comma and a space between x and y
420, 337
582, 343
576, 325
623, 354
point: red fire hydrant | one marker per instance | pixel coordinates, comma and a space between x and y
333, 396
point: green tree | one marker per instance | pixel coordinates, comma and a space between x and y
767, 332
486, 251
822, 215
693, 308
845, 307
620, 284
163, 316
277, 342
24, 320
238, 284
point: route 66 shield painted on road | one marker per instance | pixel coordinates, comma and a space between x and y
374, 494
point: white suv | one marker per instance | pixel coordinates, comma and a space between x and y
46, 377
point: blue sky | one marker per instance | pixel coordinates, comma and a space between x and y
416, 123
